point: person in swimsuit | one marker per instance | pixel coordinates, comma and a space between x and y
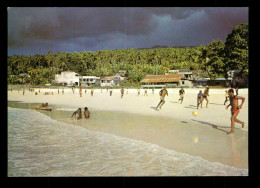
77, 112
181, 92
162, 94
206, 95
199, 99
234, 109
86, 112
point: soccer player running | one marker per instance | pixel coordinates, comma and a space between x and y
199, 99
235, 109
206, 95
162, 94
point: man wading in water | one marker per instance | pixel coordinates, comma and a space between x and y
162, 93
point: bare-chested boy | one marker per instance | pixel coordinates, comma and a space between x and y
199, 99
235, 109
77, 112
122, 92
162, 94
86, 112
206, 95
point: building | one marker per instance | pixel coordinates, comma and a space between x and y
159, 81
89, 81
107, 82
186, 80
67, 77
111, 81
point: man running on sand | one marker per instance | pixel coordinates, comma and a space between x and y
235, 109
162, 94
206, 95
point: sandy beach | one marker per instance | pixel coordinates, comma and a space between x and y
173, 127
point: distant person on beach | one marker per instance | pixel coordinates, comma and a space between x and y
44, 105
145, 92
206, 95
126, 90
162, 94
153, 90
80, 92
227, 96
23, 92
236, 91
92, 91
86, 112
138, 92
181, 93
110, 91
122, 92
199, 99
77, 112
234, 109
85, 91
62, 91
58, 91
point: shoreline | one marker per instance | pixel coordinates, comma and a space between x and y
175, 129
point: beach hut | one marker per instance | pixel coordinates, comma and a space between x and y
159, 81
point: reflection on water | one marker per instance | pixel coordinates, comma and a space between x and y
165, 132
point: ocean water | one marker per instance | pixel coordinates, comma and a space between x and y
41, 146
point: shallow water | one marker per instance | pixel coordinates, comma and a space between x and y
39, 145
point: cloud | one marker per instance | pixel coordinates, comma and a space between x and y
115, 27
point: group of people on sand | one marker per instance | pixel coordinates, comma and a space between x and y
79, 113
235, 107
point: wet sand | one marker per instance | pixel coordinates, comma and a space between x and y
173, 127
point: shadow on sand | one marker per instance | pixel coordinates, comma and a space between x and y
152, 107
191, 106
212, 125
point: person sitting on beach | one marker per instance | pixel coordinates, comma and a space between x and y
206, 95
199, 99
181, 93
44, 105
77, 112
234, 109
162, 94
86, 112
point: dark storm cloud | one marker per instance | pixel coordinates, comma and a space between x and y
93, 28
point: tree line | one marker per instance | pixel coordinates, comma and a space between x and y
214, 59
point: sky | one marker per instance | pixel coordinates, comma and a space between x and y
39, 30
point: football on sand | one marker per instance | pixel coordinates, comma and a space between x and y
194, 113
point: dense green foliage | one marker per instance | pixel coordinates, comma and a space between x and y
215, 59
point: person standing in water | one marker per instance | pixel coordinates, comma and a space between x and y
235, 109
181, 93
86, 112
77, 112
162, 94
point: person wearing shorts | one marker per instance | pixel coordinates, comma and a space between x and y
235, 109
162, 94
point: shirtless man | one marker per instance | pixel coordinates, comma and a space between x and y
162, 94
77, 112
86, 112
181, 93
199, 99
122, 92
235, 109
206, 95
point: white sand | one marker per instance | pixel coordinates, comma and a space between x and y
214, 144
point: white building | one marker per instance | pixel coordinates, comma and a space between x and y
89, 80
67, 77
107, 82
